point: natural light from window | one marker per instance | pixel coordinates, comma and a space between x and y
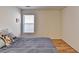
28, 24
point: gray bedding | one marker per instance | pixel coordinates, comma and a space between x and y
30, 45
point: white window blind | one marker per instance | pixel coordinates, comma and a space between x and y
28, 24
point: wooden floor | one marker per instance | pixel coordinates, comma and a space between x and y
62, 46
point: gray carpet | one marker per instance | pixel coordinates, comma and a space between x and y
30, 45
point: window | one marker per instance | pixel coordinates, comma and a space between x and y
28, 24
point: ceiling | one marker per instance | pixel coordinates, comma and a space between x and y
41, 7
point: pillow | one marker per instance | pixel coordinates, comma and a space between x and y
12, 36
3, 32
2, 43
6, 32
9, 34
7, 40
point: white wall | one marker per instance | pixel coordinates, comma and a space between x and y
48, 22
8, 17
71, 26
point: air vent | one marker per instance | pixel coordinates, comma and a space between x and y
27, 6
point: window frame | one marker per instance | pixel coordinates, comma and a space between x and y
22, 28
